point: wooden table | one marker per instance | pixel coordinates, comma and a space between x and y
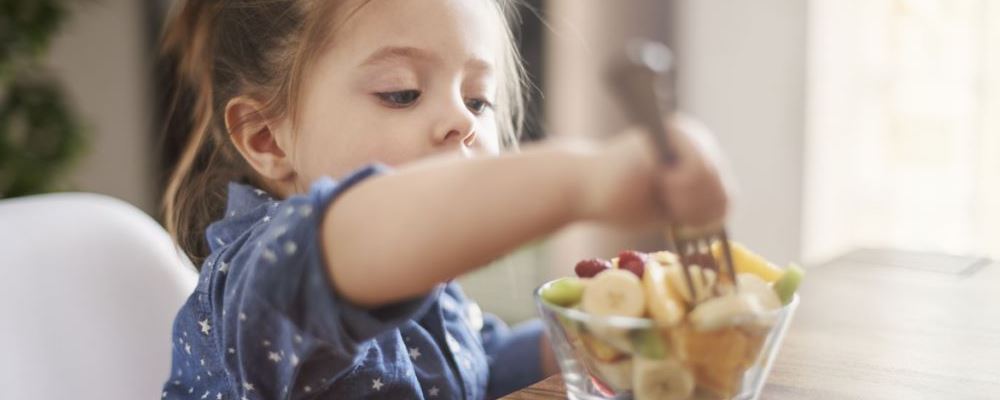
879, 324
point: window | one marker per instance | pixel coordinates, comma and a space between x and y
903, 132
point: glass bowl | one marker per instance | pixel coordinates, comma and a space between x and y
633, 358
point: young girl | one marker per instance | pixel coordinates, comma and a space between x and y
344, 167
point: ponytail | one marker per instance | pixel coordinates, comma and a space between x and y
189, 41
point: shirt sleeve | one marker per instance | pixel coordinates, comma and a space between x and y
285, 324
514, 354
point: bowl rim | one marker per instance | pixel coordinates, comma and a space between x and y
631, 322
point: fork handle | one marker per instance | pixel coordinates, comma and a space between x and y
647, 66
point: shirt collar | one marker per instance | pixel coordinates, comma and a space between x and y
245, 205
243, 198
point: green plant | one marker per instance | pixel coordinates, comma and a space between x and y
39, 133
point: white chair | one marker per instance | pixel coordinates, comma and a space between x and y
89, 286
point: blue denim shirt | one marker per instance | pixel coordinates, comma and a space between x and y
265, 323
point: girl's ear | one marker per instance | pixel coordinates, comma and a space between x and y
256, 138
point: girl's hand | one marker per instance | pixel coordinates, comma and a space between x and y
633, 188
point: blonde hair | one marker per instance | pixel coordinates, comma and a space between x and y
222, 49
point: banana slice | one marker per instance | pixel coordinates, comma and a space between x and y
664, 304
615, 336
703, 280
661, 380
756, 286
665, 258
614, 292
729, 310
600, 350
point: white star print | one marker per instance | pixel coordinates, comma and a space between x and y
433, 392
218, 396
202, 364
259, 192
298, 338
232, 350
220, 242
266, 343
205, 396
290, 247
190, 390
223, 267
308, 389
164, 395
281, 230
187, 348
205, 327
267, 218
273, 356
243, 317
453, 344
295, 360
414, 353
377, 384
270, 256
290, 210
248, 386
306, 210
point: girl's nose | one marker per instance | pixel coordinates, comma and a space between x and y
457, 127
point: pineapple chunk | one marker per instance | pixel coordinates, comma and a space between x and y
750, 262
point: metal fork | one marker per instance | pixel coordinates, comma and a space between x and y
645, 85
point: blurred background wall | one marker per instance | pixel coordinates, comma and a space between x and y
104, 58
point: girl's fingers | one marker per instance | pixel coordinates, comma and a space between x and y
694, 192
694, 197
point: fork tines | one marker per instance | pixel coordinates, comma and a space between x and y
694, 248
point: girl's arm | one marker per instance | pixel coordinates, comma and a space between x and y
397, 236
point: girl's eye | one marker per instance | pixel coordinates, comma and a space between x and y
399, 99
478, 105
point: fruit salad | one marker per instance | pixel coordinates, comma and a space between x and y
641, 330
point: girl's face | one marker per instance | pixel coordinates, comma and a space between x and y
401, 80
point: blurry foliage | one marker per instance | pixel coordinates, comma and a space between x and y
39, 133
